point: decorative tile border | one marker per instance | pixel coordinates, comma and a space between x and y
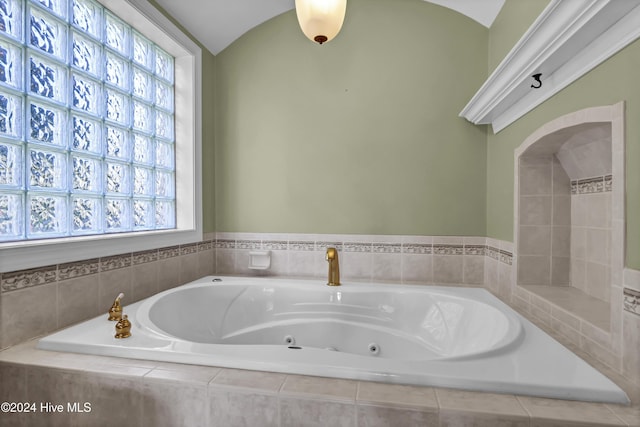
599, 184
169, 252
632, 301
15, 280
473, 249
78, 269
189, 249
115, 262
448, 249
417, 248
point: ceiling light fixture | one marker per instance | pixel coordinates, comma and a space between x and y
321, 20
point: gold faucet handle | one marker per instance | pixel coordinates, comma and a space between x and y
331, 254
115, 312
123, 328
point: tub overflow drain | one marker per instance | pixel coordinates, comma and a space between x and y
289, 340
374, 348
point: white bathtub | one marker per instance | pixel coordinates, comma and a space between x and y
422, 335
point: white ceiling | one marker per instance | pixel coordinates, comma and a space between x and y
217, 23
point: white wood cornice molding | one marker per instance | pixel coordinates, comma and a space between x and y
566, 41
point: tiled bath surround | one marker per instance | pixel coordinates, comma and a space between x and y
38, 301
401, 259
147, 393
153, 393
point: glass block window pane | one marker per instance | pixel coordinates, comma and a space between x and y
117, 178
117, 143
10, 165
164, 96
117, 35
164, 125
11, 18
10, 65
86, 174
143, 181
47, 170
117, 106
59, 7
47, 79
86, 94
164, 184
116, 215
10, 115
46, 123
87, 135
142, 51
165, 214
142, 84
143, 214
164, 155
87, 16
11, 215
47, 34
142, 117
47, 215
86, 215
87, 141
116, 71
86, 55
164, 65
142, 149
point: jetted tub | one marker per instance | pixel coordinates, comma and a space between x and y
422, 335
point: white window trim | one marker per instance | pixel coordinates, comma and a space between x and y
143, 16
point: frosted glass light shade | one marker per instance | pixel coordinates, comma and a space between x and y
321, 20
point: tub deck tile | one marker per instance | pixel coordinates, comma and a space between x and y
396, 395
254, 380
319, 387
550, 412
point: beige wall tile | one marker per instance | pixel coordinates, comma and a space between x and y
189, 270
381, 416
234, 408
534, 270
417, 268
631, 346
29, 312
557, 412
355, 265
316, 413
78, 300
386, 267
448, 269
536, 180
254, 380
336, 389
473, 269
422, 398
144, 280
535, 210
113, 282
174, 404
168, 273
534, 240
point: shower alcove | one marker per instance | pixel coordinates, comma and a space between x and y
569, 215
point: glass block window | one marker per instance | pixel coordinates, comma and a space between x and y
87, 141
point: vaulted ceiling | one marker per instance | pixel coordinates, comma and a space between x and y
217, 23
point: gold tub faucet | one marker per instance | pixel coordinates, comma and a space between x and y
334, 267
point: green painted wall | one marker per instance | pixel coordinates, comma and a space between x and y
361, 135
208, 134
613, 81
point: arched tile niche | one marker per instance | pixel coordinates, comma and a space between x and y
569, 220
